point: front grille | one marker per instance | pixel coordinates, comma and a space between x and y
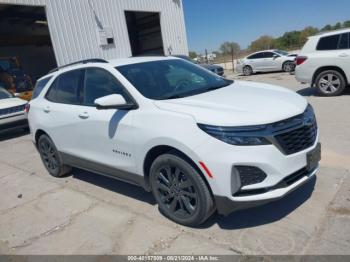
298, 139
250, 175
12, 110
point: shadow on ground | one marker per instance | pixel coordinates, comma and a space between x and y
115, 185
312, 91
7, 135
267, 213
248, 218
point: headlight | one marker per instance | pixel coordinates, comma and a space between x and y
239, 136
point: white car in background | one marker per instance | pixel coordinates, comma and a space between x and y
266, 61
324, 62
12, 111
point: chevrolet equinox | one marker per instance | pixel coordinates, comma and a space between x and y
200, 143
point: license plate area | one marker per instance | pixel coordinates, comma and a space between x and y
313, 158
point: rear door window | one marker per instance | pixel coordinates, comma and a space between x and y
328, 43
66, 88
40, 86
256, 56
268, 55
344, 41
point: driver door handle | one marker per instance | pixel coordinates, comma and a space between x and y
46, 109
84, 115
343, 55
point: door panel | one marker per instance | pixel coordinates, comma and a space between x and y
106, 136
271, 63
63, 102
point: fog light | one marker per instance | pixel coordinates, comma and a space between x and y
250, 175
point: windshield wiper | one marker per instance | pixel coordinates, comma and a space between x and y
171, 97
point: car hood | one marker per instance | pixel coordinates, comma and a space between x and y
11, 102
239, 104
210, 67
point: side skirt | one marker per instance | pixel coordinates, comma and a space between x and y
103, 170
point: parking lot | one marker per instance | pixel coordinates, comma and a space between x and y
89, 214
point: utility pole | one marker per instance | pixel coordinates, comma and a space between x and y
206, 56
232, 57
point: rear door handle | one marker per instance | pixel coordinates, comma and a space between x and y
47, 109
84, 115
343, 55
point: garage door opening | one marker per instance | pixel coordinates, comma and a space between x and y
144, 33
26, 50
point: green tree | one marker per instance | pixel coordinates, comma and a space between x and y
337, 26
326, 28
193, 54
346, 24
308, 31
263, 42
230, 48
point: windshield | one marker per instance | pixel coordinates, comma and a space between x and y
4, 94
7, 64
170, 79
281, 52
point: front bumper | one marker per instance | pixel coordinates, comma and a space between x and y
225, 205
13, 122
278, 167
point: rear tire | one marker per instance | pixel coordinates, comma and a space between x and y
247, 70
330, 83
51, 157
180, 191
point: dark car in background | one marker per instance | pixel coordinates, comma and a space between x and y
213, 68
14, 78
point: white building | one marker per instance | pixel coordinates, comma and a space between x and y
46, 33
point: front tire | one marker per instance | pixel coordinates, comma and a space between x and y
51, 157
180, 191
247, 70
288, 66
330, 83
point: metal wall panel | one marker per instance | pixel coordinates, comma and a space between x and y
73, 26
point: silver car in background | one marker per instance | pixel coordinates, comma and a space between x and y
266, 61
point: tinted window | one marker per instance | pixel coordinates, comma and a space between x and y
344, 41
40, 86
269, 54
328, 43
256, 56
66, 88
100, 83
4, 94
171, 79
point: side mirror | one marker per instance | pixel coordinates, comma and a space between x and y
114, 102
275, 56
17, 94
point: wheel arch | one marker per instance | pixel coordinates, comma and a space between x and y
38, 134
156, 151
325, 68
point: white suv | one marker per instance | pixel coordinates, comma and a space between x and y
324, 62
199, 142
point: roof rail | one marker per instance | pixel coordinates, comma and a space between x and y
93, 60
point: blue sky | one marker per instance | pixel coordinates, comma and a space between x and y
211, 22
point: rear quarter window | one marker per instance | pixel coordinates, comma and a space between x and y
328, 43
40, 86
